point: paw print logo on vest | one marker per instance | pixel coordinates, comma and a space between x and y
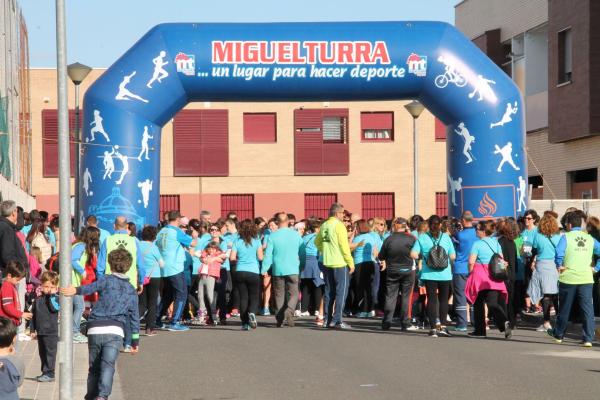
580, 241
121, 244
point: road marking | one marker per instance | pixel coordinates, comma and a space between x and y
368, 385
585, 354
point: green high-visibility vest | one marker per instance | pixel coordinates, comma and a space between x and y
123, 241
578, 259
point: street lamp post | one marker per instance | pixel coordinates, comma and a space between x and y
415, 109
77, 73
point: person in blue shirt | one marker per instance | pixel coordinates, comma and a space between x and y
283, 255
531, 219
481, 289
93, 221
230, 235
436, 281
464, 239
247, 252
311, 275
543, 285
364, 273
171, 241
153, 263
271, 227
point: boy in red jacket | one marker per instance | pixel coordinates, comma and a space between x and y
10, 306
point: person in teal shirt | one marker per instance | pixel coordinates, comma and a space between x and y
531, 219
247, 251
364, 256
437, 282
153, 263
283, 254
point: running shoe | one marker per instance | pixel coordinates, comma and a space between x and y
373, 314
289, 318
235, 313
586, 344
45, 378
79, 338
126, 349
162, 327
443, 331
151, 332
433, 333
507, 330
245, 327
385, 326
458, 328
342, 326
319, 321
542, 328
362, 314
177, 328
476, 335
297, 313
265, 311
410, 328
252, 318
304, 314
550, 332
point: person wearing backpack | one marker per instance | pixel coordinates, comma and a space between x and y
436, 250
486, 281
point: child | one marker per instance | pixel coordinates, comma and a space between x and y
117, 305
11, 367
11, 306
45, 324
212, 257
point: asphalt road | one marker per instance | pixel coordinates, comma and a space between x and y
307, 362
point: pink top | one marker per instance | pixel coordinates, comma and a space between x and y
479, 280
214, 267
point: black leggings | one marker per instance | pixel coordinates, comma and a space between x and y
311, 295
496, 310
438, 293
148, 301
363, 290
249, 285
547, 302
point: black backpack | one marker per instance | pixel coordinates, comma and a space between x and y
438, 257
497, 266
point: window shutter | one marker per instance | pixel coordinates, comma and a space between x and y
378, 205
318, 204
214, 155
336, 157
260, 127
50, 142
201, 143
241, 204
440, 130
441, 203
308, 142
377, 125
168, 202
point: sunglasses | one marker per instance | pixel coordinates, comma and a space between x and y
214, 229
529, 218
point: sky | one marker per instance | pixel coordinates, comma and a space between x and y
100, 31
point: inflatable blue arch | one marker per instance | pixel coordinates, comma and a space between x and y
174, 64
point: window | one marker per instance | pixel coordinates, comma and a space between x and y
584, 183
565, 56
334, 129
241, 204
441, 203
167, 202
377, 205
317, 204
321, 141
440, 131
260, 127
377, 126
201, 143
50, 142
537, 185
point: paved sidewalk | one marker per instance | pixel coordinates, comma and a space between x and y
33, 390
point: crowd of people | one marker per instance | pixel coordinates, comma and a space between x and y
440, 274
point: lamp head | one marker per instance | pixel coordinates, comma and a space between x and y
78, 72
414, 108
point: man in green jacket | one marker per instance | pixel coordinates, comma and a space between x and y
332, 242
283, 254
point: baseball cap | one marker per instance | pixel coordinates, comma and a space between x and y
467, 216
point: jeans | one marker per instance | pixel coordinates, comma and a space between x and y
78, 306
566, 297
47, 346
103, 352
336, 290
282, 286
175, 290
460, 299
398, 281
